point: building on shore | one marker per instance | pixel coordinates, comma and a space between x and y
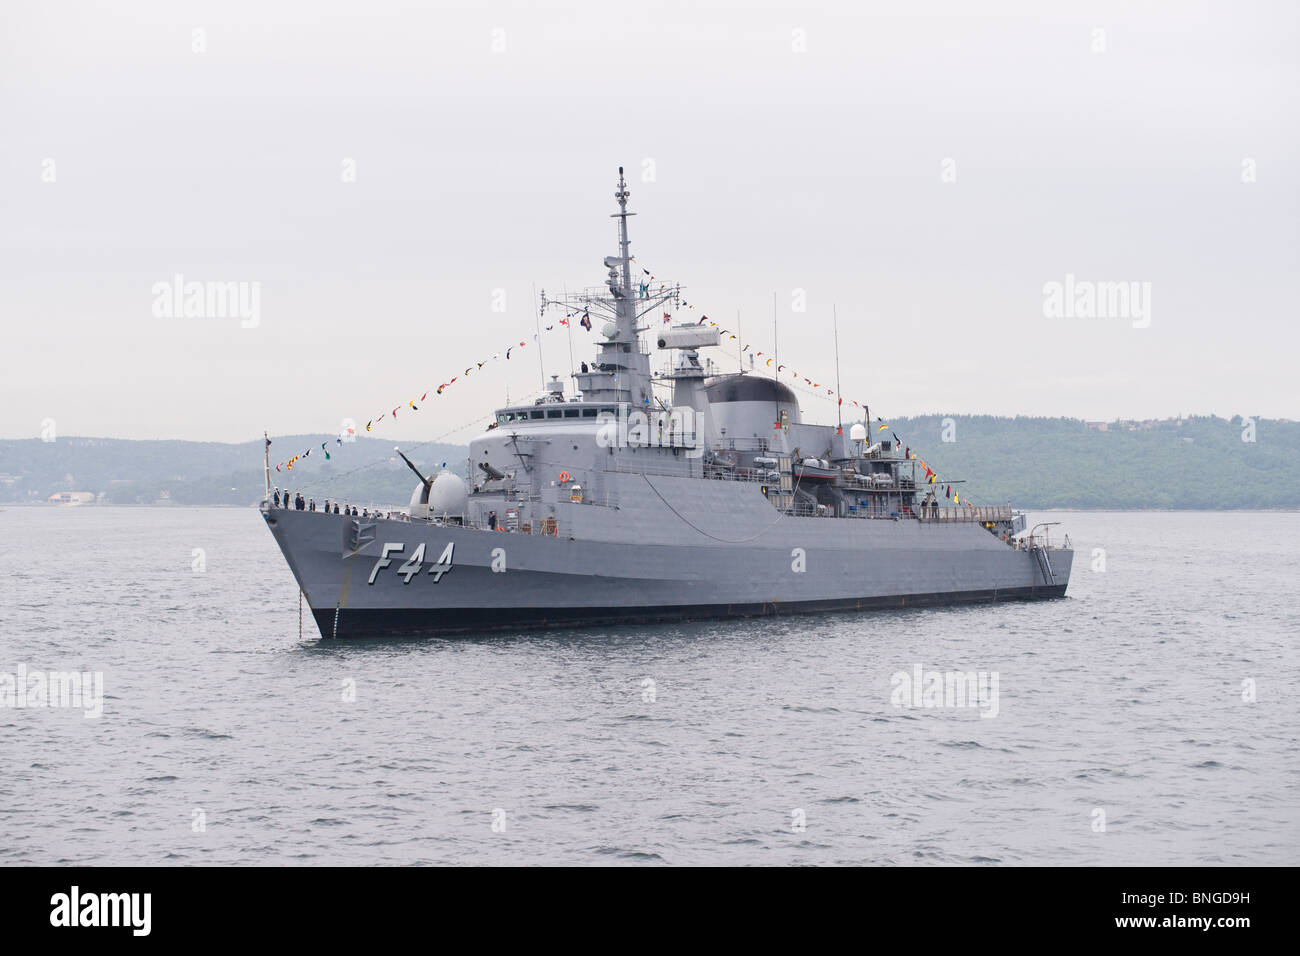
72, 498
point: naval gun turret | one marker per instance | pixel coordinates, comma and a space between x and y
442, 496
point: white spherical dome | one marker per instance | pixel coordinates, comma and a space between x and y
610, 330
449, 495
858, 432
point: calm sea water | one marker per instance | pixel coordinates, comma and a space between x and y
227, 739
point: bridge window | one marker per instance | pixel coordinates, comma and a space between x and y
537, 415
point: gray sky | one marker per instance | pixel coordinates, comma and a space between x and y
790, 149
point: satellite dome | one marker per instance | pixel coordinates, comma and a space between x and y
858, 432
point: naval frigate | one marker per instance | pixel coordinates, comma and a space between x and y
644, 496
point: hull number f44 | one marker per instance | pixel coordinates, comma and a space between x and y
413, 566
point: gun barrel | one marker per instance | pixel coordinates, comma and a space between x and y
410, 465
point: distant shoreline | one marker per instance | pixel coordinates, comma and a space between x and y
45, 506
1191, 464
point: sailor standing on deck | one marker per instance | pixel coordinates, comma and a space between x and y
277, 497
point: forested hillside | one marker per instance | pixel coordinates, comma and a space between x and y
213, 473
1202, 463
1191, 463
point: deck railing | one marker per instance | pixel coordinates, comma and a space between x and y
691, 468
979, 514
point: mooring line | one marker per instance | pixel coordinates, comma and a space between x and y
780, 516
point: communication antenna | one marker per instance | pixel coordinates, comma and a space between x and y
573, 369
839, 395
740, 344
776, 359
537, 324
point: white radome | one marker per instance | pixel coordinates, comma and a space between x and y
858, 432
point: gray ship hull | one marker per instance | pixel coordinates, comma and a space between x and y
691, 560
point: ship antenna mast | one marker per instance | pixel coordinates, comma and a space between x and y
740, 344
776, 360
626, 304
839, 396
537, 337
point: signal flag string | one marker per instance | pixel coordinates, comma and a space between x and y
809, 385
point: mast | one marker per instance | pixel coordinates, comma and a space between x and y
537, 328
626, 303
267, 449
740, 344
839, 395
776, 360
622, 370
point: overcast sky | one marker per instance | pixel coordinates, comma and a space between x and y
381, 170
